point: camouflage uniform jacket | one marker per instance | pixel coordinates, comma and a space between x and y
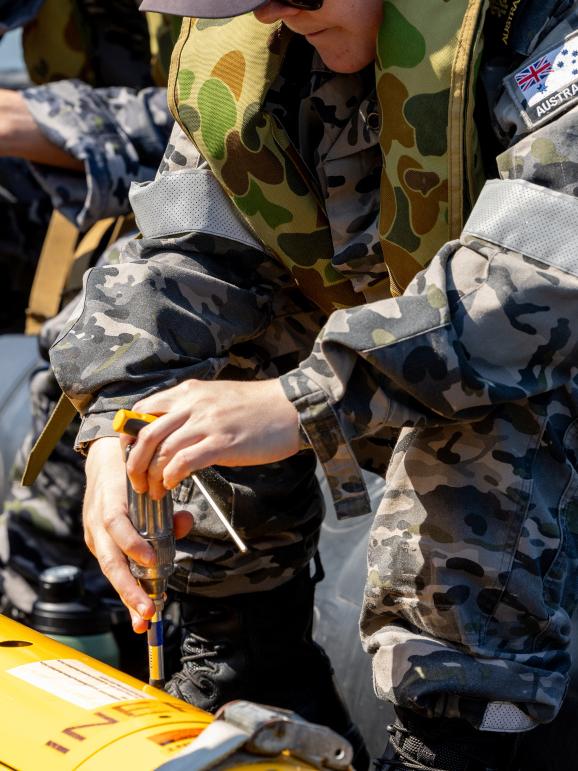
473, 554
236, 314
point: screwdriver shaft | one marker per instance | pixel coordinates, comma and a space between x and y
155, 643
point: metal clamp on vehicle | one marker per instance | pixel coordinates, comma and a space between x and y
242, 728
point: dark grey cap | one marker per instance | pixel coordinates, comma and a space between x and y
203, 9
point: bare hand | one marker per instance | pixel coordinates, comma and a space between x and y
109, 533
20, 136
205, 423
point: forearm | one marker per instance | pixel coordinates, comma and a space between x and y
20, 136
482, 326
165, 314
116, 135
463, 338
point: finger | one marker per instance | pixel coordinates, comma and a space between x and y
139, 624
121, 531
146, 445
115, 567
126, 441
178, 440
190, 459
184, 522
88, 539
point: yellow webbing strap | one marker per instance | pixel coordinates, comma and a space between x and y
463, 80
64, 412
53, 267
60, 252
58, 422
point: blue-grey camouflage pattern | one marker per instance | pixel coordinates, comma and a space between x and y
472, 556
472, 560
15, 15
118, 132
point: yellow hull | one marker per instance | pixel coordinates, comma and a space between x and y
61, 710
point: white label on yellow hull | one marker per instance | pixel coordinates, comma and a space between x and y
76, 682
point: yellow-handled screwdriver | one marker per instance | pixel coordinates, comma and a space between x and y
153, 520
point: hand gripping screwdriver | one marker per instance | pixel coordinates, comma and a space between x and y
153, 520
130, 422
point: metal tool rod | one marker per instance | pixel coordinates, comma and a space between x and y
228, 527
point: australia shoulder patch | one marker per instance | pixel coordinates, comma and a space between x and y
548, 84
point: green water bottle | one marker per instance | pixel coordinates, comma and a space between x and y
67, 613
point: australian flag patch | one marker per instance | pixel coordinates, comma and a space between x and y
548, 84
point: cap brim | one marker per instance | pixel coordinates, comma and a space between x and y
202, 9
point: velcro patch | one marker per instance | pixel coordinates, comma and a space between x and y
548, 84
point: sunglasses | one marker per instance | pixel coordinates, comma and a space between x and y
306, 5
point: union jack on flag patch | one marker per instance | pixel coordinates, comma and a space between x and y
534, 73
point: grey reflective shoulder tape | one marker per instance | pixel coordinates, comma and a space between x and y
184, 202
527, 218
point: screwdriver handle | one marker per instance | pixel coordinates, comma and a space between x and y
130, 422
153, 520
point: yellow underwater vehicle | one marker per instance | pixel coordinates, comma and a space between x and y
61, 710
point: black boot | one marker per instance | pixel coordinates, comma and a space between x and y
259, 647
445, 745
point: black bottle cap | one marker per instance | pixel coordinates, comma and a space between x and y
64, 607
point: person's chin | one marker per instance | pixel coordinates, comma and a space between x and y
338, 63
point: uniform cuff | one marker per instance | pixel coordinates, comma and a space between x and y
320, 426
93, 427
